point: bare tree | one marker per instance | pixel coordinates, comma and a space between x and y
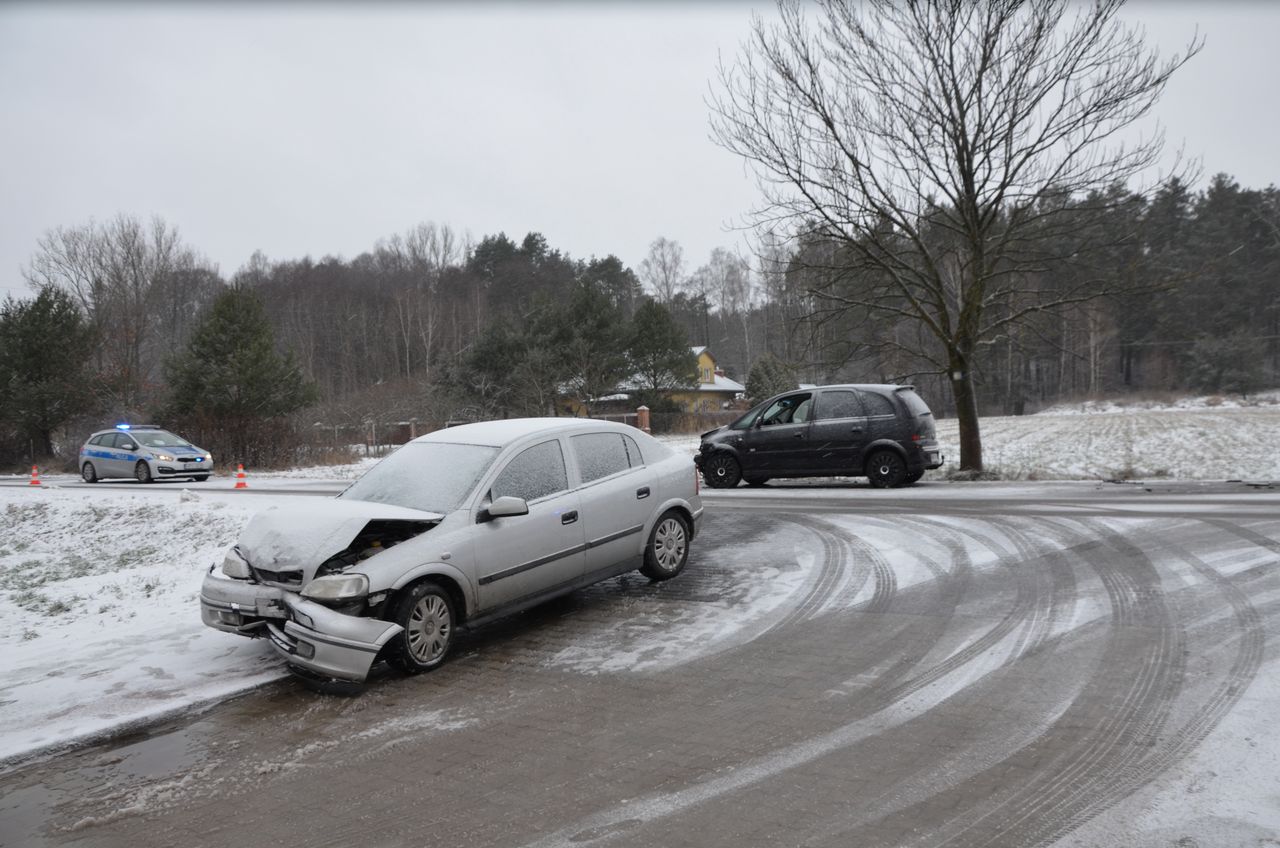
141, 289
937, 145
663, 269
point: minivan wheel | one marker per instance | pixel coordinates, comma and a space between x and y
426, 614
886, 470
89, 473
722, 471
668, 549
142, 471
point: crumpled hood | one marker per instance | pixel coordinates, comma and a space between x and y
281, 538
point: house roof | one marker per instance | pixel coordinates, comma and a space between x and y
720, 383
697, 351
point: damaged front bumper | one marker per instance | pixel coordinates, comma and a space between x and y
308, 635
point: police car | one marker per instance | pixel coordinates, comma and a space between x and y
144, 452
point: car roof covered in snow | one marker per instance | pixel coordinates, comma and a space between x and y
502, 433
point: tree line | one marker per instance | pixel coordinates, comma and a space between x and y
128, 322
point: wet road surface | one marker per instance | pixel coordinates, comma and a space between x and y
833, 669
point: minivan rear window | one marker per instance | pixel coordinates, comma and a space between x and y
915, 404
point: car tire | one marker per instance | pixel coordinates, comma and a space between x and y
426, 613
89, 473
913, 477
886, 469
667, 550
143, 472
721, 471
756, 481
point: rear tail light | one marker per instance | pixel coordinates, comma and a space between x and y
697, 482
916, 437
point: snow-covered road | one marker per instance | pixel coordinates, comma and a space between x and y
970, 665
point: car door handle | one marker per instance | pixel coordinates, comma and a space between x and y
797, 435
643, 493
569, 517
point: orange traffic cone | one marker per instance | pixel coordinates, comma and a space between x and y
35, 476
240, 481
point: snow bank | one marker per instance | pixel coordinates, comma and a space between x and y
99, 612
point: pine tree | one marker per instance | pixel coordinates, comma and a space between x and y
658, 351
45, 347
231, 379
769, 377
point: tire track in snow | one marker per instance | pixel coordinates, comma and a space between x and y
1251, 644
1108, 744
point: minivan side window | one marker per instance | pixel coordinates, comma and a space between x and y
599, 455
534, 473
877, 404
839, 404
792, 409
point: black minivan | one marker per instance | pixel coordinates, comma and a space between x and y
882, 432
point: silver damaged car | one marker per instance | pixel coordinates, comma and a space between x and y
455, 528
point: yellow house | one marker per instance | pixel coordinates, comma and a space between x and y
714, 390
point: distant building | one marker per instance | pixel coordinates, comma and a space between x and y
714, 391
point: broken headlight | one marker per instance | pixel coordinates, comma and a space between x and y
337, 587
235, 565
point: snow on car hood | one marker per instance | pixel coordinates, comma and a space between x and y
282, 538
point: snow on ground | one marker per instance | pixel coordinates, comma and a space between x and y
99, 613
1112, 406
1205, 444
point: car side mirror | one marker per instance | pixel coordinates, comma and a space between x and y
128, 446
504, 506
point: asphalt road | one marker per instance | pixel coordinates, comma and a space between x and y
1047, 665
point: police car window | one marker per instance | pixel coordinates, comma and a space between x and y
633, 452
877, 404
534, 473
838, 404
100, 440
599, 455
121, 439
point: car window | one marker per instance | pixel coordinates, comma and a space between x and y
431, 476
600, 454
838, 404
746, 421
784, 409
914, 403
877, 404
119, 440
534, 473
100, 440
633, 452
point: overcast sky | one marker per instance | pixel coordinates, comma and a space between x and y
317, 129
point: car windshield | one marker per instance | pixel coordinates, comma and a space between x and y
430, 476
161, 439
